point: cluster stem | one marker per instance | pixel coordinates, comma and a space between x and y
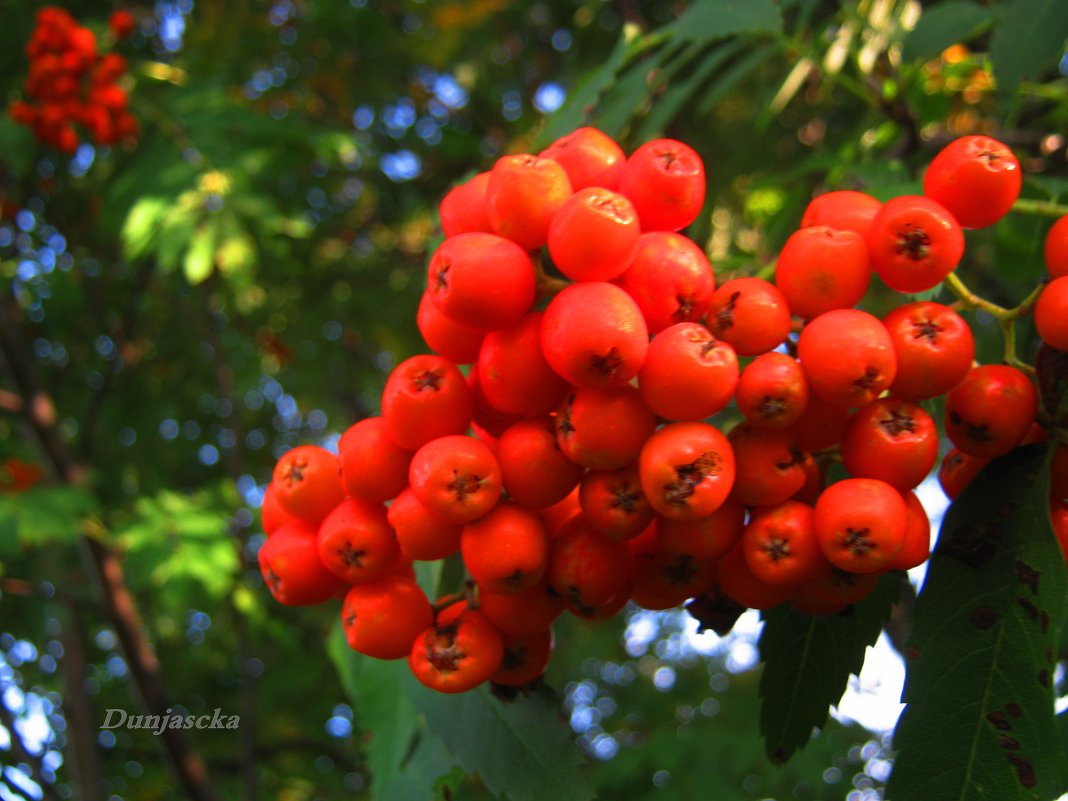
1006, 318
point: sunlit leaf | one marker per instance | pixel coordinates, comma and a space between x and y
200, 258
142, 222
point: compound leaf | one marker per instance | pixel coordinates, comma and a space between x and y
708, 20
979, 721
807, 663
1029, 37
522, 749
944, 25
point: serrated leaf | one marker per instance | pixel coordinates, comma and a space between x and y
985, 627
47, 514
807, 663
708, 20
667, 106
943, 25
521, 748
583, 99
1029, 38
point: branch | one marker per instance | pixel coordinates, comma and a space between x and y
78, 708
101, 561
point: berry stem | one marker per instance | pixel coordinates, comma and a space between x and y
1006, 317
1044, 208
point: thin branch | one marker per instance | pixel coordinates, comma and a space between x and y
78, 709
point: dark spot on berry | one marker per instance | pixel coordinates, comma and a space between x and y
668, 157
606, 365
689, 477
869, 381
859, 541
685, 309
441, 649
564, 426
349, 619
441, 281
926, 329
515, 656
626, 498
777, 548
463, 485
427, 379
898, 423
913, 243
771, 407
724, 319
351, 557
680, 570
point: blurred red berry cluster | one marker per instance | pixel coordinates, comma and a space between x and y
72, 84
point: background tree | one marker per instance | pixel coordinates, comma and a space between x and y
181, 307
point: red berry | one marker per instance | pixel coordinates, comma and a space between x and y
1051, 313
425, 397
892, 440
292, 570
481, 281
914, 242
688, 374
844, 209
594, 235
847, 356
593, 335
860, 524
420, 534
457, 655
463, 209
514, 375
687, 470
506, 550
821, 268
934, 349
991, 410
977, 178
307, 482
665, 179
455, 341
373, 467
534, 471
456, 477
523, 195
751, 314
590, 158
603, 429
356, 542
671, 280
772, 391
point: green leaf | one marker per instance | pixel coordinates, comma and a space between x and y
943, 25
708, 20
180, 546
200, 258
382, 709
583, 99
522, 748
979, 722
1029, 38
46, 514
141, 224
807, 663
680, 91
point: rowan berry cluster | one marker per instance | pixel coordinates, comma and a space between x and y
572, 465
72, 84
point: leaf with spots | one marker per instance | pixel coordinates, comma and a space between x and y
807, 663
980, 658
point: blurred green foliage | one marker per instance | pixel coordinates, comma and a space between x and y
243, 278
